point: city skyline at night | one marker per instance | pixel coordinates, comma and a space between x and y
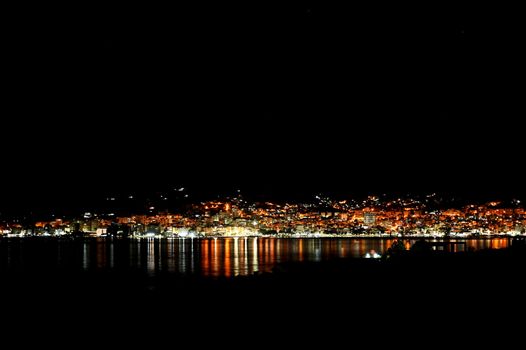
429, 216
290, 172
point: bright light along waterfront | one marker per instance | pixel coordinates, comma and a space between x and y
217, 257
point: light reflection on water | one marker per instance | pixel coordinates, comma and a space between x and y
243, 256
212, 257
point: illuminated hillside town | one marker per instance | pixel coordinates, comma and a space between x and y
323, 217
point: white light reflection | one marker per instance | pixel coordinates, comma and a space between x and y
236, 256
150, 256
85, 257
192, 258
170, 258
112, 261
255, 266
182, 256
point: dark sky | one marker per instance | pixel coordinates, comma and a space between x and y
267, 97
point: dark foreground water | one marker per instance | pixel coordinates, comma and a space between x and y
202, 257
158, 290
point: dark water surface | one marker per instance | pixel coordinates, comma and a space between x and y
203, 257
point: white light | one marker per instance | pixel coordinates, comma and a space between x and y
181, 189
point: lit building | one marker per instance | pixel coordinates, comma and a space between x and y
369, 218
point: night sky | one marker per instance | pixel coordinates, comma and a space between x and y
271, 98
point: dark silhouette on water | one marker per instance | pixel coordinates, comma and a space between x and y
421, 247
426, 282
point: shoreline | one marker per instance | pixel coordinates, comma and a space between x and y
292, 236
